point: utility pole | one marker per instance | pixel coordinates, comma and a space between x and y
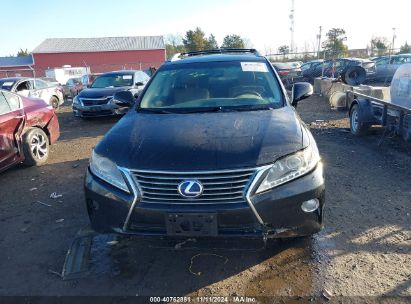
319, 42
393, 39
292, 26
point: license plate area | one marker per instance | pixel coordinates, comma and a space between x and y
182, 224
95, 108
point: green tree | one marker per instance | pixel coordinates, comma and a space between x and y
284, 49
195, 40
211, 43
406, 48
174, 45
379, 45
233, 41
23, 53
334, 45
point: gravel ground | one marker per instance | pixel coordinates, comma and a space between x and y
365, 249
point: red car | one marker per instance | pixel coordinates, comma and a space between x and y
27, 128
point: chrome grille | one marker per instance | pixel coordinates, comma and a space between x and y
220, 187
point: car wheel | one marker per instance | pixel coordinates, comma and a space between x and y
54, 102
357, 127
35, 147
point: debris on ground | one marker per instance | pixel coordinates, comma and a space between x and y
204, 254
54, 195
75, 166
60, 220
327, 294
41, 203
33, 189
24, 229
179, 245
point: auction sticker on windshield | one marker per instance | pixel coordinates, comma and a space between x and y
7, 84
254, 67
128, 77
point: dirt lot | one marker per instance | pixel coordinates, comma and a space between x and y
365, 249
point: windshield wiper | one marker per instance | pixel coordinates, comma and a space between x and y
155, 111
252, 108
203, 110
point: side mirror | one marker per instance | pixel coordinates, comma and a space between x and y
300, 91
139, 84
124, 99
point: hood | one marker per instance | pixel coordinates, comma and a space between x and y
100, 92
202, 141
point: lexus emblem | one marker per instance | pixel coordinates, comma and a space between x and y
190, 188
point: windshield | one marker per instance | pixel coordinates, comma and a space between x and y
6, 84
213, 85
113, 81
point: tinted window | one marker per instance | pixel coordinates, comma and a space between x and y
13, 100
401, 60
4, 106
25, 85
213, 84
305, 66
383, 61
113, 81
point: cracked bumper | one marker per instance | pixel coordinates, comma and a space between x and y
279, 209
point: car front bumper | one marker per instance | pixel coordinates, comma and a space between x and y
277, 213
98, 110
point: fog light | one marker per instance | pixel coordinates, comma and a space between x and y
311, 205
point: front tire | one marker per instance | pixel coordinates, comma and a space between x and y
357, 127
54, 102
35, 147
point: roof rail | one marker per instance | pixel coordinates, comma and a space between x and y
220, 51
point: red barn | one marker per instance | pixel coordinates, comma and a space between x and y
16, 66
100, 54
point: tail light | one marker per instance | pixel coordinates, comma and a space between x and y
282, 73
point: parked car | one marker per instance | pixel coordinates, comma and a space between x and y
97, 100
72, 87
310, 64
289, 72
34, 87
212, 147
334, 68
386, 66
28, 128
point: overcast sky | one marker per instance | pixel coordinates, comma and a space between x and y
266, 23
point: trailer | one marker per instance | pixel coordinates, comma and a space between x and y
394, 115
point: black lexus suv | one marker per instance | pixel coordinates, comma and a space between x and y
213, 146
97, 100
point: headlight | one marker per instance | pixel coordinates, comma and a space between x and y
291, 167
105, 169
76, 100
